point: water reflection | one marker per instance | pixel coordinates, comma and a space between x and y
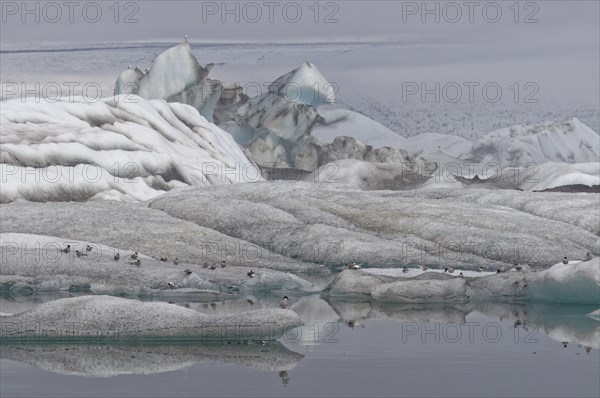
106, 360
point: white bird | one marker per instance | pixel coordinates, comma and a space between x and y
171, 285
284, 302
518, 267
186, 38
449, 270
251, 274
134, 256
460, 275
176, 261
146, 70
424, 267
480, 269
404, 270
565, 261
88, 248
163, 259
117, 257
501, 269
223, 265
588, 256
137, 263
66, 249
188, 272
352, 265
129, 67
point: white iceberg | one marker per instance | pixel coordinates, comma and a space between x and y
568, 142
120, 148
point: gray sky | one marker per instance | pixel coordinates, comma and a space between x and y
274, 20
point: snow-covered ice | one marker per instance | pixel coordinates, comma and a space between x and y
119, 319
35, 263
577, 283
118, 148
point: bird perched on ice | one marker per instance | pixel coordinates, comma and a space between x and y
137, 263
565, 260
205, 265
186, 38
213, 267
449, 270
134, 256
424, 267
88, 248
163, 259
284, 302
171, 285
588, 256
501, 269
223, 265
251, 274
460, 275
117, 257
129, 67
79, 254
146, 71
480, 269
352, 265
404, 270
66, 249
518, 267
176, 261
188, 272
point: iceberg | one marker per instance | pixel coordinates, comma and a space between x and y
117, 148
106, 318
175, 76
567, 142
35, 263
575, 283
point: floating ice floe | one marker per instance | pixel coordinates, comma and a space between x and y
120, 148
36, 263
576, 283
117, 319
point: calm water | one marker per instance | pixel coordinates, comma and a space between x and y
345, 348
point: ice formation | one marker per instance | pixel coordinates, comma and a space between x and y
575, 283
175, 76
568, 142
111, 318
35, 263
551, 176
118, 148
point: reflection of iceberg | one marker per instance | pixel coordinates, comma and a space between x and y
110, 360
91, 318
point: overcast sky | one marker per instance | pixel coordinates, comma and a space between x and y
101, 21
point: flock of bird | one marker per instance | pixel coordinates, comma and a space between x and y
517, 267
136, 261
